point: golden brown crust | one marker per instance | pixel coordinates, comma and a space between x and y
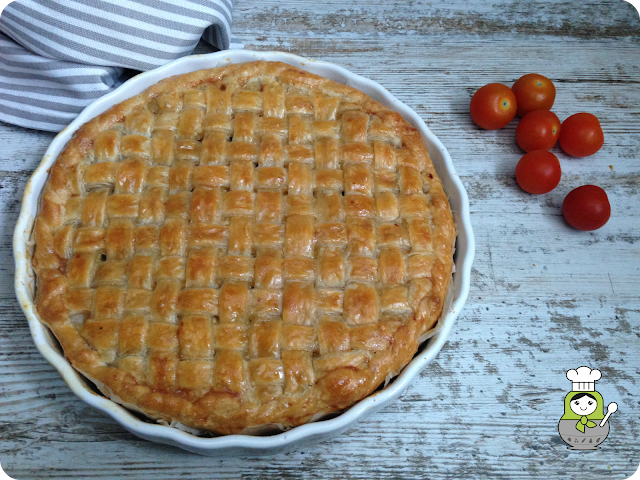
227, 284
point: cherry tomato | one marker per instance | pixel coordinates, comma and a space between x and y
538, 172
538, 130
493, 106
581, 135
534, 92
586, 208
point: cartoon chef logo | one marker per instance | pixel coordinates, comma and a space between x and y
584, 425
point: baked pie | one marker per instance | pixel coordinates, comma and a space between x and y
243, 246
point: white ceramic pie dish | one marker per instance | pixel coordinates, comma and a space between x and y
244, 444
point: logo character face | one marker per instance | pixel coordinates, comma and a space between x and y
583, 406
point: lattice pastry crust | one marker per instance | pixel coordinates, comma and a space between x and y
244, 245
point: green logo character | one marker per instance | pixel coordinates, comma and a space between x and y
584, 425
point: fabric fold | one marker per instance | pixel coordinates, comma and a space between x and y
58, 56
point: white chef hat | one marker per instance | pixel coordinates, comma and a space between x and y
584, 379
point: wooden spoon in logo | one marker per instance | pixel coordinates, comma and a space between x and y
612, 408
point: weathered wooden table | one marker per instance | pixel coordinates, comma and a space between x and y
544, 297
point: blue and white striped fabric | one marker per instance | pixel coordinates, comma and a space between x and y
57, 56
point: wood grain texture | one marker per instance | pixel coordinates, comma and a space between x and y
544, 298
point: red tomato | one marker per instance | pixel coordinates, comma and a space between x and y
538, 172
493, 106
538, 130
581, 135
534, 92
586, 208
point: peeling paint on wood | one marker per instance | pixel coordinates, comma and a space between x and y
544, 298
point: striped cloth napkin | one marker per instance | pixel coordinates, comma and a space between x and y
57, 56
